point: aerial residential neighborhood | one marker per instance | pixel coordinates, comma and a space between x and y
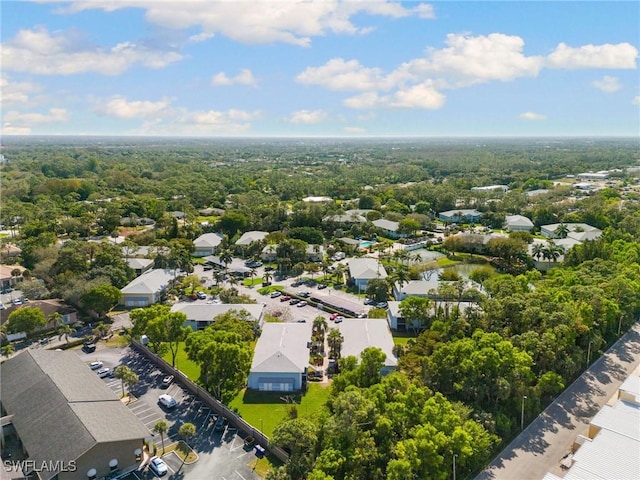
319, 240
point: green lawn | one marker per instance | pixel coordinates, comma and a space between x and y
402, 338
186, 366
265, 410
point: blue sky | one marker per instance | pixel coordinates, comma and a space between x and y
320, 68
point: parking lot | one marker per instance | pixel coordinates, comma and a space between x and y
222, 454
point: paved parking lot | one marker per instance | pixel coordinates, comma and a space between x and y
222, 455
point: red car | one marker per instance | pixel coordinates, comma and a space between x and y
285, 298
333, 316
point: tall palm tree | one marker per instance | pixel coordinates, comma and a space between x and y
320, 324
537, 250
226, 257
56, 319
266, 277
161, 428
126, 376
186, 431
64, 331
252, 274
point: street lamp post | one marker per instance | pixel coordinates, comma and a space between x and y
524, 397
589, 353
619, 325
454, 465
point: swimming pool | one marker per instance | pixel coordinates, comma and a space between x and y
366, 244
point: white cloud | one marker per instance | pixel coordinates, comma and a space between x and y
474, 59
607, 84
355, 130
425, 10
531, 116
423, 95
245, 77
19, 123
636, 100
339, 74
12, 93
307, 116
264, 21
66, 53
364, 100
620, 55
120, 107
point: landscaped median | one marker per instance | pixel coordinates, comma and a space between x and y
183, 451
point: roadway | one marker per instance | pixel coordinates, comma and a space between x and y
541, 446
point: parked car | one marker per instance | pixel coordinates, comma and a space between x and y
221, 422
285, 298
296, 284
201, 295
167, 401
16, 301
293, 301
333, 316
301, 304
381, 305
104, 372
207, 268
275, 294
166, 381
321, 286
158, 467
302, 320
95, 365
89, 347
339, 319
304, 294
369, 301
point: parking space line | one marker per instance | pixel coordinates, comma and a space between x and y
238, 473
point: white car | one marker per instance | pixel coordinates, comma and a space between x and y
301, 304
275, 294
104, 372
167, 401
95, 365
157, 466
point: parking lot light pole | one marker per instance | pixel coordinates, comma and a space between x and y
454, 465
524, 397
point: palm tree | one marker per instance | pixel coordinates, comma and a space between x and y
252, 273
335, 341
551, 252
126, 376
64, 331
320, 325
537, 250
161, 428
266, 278
226, 257
562, 231
56, 319
186, 431
3, 332
100, 331
15, 273
8, 350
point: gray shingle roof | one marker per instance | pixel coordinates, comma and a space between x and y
61, 408
208, 240
151, 282
282, 347
248, 238
387, 224
366, 268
